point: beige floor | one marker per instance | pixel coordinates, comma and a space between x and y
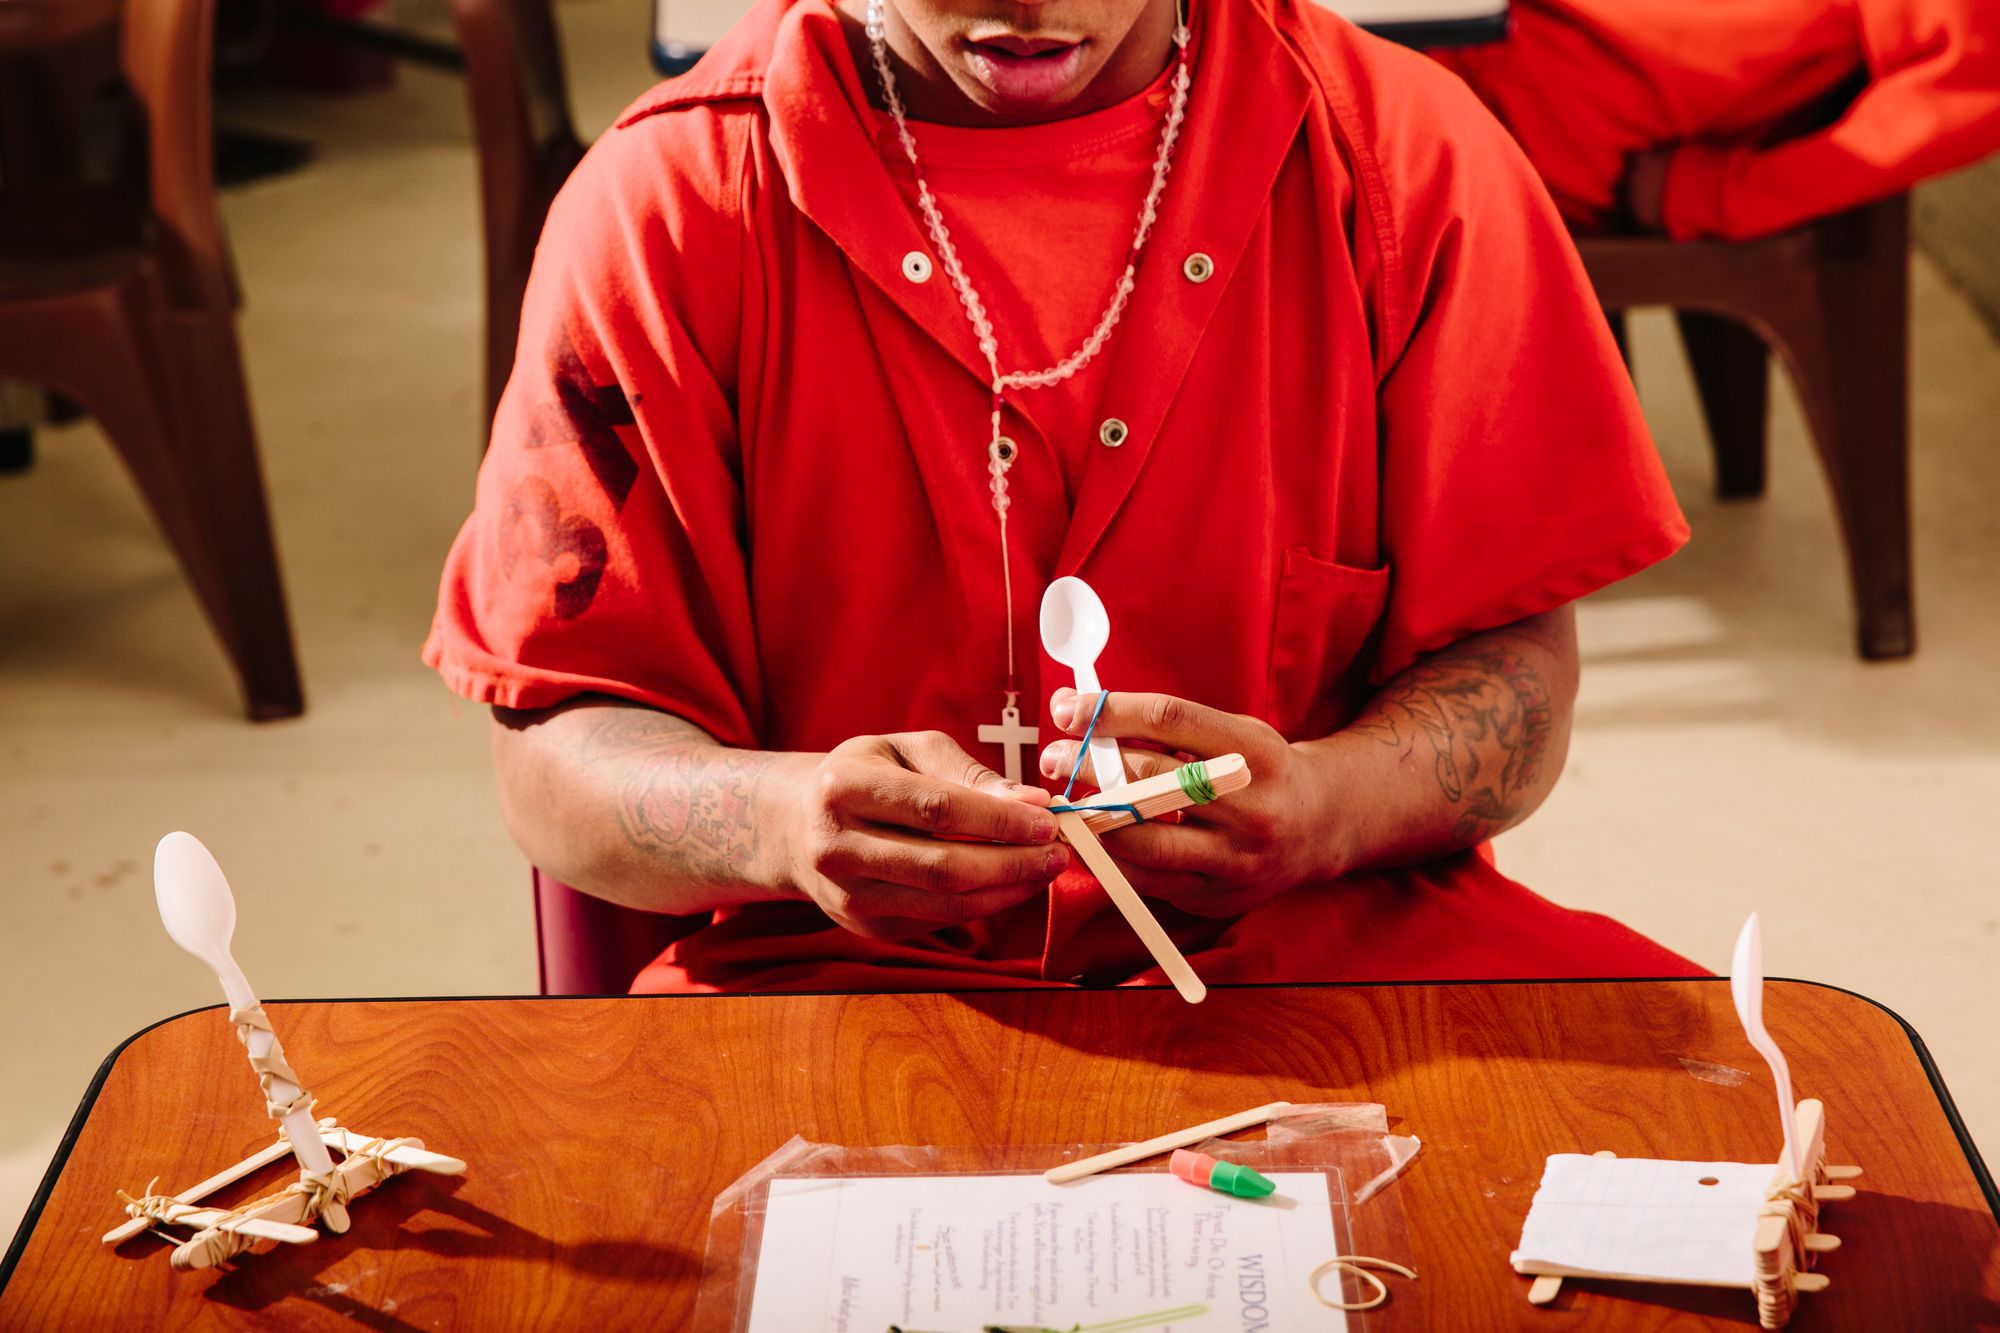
1731, 752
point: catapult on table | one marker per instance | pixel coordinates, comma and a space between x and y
199, 912
1787, 1242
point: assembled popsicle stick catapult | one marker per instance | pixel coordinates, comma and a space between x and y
1785, 1239
199, 912
1075, 628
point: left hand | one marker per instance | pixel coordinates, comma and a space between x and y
1224, 858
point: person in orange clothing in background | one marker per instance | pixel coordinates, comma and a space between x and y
1736, 119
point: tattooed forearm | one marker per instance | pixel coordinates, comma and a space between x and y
1483, 716
680, 797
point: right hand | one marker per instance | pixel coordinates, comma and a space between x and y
904, 834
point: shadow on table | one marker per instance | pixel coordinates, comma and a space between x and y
383, 1223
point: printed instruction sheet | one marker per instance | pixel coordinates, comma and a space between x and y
1110, 1253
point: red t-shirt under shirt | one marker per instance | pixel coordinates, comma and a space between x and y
1006, 194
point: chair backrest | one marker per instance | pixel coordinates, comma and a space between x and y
527, 147
587, 946
167, 50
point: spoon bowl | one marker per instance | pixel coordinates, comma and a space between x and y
1075, 625
1075, 628
195, 903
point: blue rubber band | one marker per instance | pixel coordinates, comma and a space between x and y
1083, 748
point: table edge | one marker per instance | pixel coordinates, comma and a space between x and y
39, 1200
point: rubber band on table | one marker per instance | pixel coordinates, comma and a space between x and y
1357, 1264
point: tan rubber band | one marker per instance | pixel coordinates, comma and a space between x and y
1357, 1264
271, 1064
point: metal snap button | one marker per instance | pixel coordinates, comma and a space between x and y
1198, 267
917, 266
1113, 432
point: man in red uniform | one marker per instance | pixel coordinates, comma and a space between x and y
843, 345
1741, 118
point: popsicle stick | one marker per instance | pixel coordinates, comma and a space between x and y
1161, 793
357, 1175
124, 1231
1126, 899
1180, 1138
1543, 1290
411, 1155
222, 1219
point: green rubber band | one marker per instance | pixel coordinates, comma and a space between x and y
1194, 781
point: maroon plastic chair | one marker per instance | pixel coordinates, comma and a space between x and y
115, 294
1832, 301
586, 946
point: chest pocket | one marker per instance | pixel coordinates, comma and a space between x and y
1327, 614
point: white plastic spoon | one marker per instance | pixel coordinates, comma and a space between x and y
1746, 985
199, 913
1075, 628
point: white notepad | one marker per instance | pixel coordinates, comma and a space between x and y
1632, 1217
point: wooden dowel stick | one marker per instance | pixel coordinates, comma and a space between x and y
1133, 908
1180, 1138
124, 1231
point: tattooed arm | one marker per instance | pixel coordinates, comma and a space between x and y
1466, 743
1462, 745
644, 809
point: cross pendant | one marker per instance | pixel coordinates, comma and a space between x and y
1010, 735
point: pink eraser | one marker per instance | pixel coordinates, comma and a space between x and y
1191, 1166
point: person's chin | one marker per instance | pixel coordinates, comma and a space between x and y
1027, 86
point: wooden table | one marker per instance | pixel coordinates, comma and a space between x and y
599, 1132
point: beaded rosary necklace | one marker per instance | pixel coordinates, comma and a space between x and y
1001, 451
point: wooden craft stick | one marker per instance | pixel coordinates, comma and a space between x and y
222, 1219
1180, 1138
355, 1175
412, 1155
1544, 1289
1161, 793
1132, 907
256, 1161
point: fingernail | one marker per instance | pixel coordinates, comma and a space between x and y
1058, 859
1046, 830
1062, 708
1049, 768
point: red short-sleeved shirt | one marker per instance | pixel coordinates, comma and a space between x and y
738, 473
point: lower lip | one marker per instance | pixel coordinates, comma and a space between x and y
1026, 78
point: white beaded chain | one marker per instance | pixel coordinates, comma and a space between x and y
1000, 452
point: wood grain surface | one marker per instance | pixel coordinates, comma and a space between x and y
599, 1132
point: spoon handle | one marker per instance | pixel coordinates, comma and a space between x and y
1105, 758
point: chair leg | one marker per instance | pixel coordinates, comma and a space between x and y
1732, 371
17, 449
1850, 356
167, 389
236, 566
